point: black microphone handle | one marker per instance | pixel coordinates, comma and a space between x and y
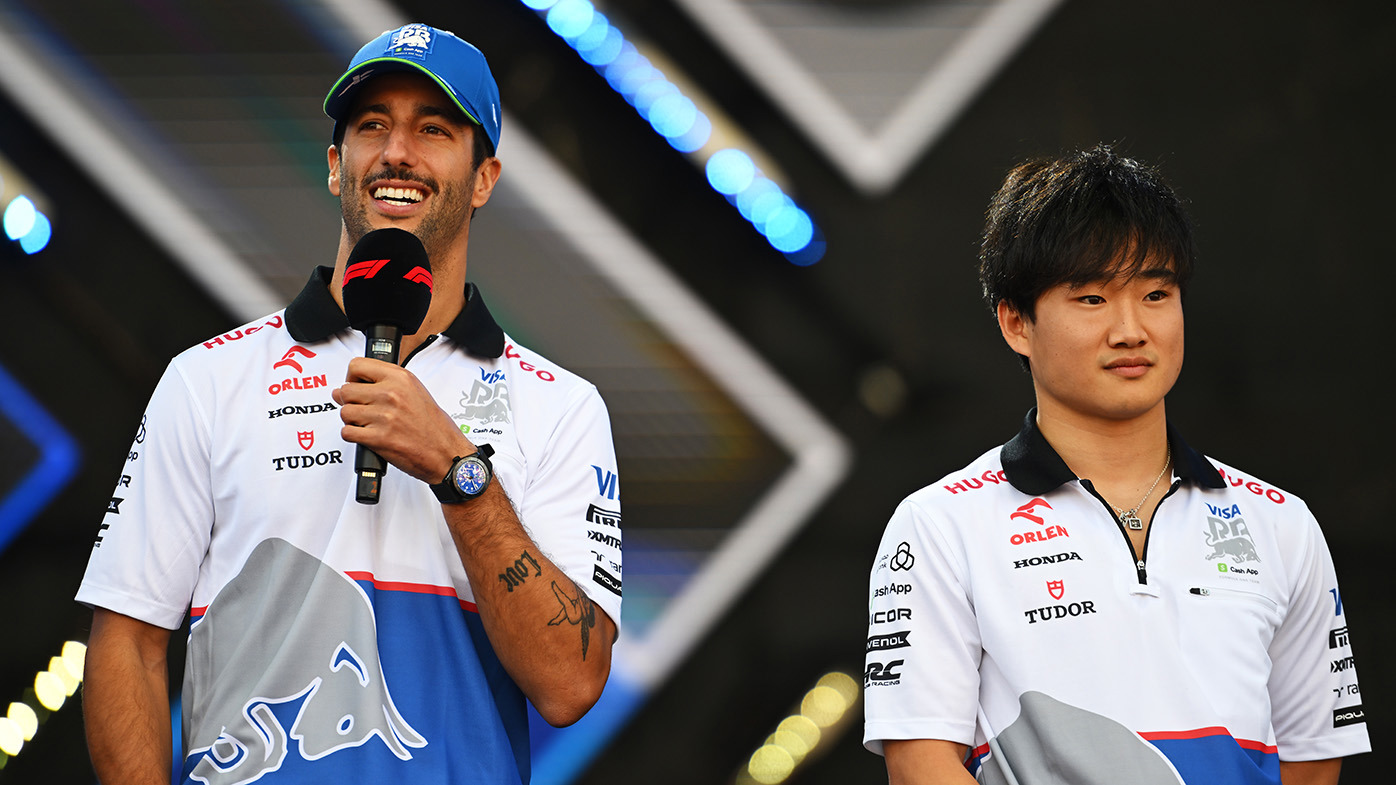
383, 341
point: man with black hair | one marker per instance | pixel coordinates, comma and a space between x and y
1095, 601
332, 641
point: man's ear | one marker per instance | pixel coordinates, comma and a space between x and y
1016, 329
485, 179
332, 156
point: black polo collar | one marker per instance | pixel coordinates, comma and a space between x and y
1034, 467
314, 316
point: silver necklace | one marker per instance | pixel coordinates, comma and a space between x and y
1131, 518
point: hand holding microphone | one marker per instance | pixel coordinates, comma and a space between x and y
387, 292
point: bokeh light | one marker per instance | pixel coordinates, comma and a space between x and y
684, 125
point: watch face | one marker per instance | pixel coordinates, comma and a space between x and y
471, 476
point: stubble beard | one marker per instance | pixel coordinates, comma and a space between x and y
443, 222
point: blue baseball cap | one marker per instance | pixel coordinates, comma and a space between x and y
456, 66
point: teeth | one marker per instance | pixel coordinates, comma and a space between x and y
411, 195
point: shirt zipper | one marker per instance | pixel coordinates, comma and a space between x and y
424, 344
1139, 559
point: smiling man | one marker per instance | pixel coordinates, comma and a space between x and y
1095, 601
338, 642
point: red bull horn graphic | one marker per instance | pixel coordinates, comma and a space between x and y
330, 696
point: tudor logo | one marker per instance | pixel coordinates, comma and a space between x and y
306, 439
1056, 589
1026, 511
307, 461
288, 360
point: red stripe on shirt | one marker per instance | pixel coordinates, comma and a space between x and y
1259, 746
415, 588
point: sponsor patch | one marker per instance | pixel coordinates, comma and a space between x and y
606, 580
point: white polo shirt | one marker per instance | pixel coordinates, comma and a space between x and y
332, 639
1008, 613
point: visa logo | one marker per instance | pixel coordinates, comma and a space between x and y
1225, 513
605, 482
490, 378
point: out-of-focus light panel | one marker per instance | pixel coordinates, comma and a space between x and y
675, 114
822, 716
52, 688
23, 222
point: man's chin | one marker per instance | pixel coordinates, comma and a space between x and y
358, 228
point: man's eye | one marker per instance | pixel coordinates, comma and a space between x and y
1157, 295
1092, 299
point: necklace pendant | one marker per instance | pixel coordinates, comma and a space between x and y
1131, 521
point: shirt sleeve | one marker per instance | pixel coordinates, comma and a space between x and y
156, 530
572, 504
1316, 703
921, 677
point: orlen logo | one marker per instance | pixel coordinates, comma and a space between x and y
1253, 486
298, 383
1027, 509
1026, 512
288, 360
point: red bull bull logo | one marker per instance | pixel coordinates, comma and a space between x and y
285, 662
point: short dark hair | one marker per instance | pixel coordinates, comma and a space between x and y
1088, 216
480, 148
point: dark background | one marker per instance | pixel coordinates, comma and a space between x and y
1272, 120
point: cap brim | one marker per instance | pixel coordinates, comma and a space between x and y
338, 99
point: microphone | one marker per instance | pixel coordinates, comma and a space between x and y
387, 291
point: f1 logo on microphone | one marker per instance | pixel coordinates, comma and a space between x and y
368, 269
419, 275
365, 269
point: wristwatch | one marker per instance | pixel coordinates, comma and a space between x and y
468, 477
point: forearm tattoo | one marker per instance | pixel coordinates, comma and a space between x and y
576, 611
517, 573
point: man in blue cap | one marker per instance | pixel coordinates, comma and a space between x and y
332, 641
